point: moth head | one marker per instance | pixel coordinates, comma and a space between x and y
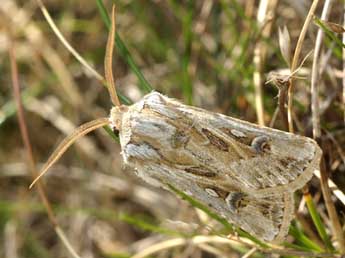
115, 118
116, 112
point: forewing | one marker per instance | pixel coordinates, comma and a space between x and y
245, 172
235, 153
268, 218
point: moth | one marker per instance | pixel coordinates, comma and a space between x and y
244, 172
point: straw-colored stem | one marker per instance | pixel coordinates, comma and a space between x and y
65, 42
295, 59
29, 152
24, 131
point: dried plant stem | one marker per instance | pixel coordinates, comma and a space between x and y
250, 253
315, 74
332, 186
324, 183
336, 227
295, 59
266, 9
9, 10
343, 49
24, 132
326, 192
65, 241
65, 42
197, 240
29, 152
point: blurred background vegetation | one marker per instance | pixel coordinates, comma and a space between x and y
211, 54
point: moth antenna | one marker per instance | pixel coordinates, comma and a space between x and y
108, 61
68, 141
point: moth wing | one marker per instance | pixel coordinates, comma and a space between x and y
268, 218
245, 172
259, 160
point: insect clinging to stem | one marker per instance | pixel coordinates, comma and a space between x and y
244, 172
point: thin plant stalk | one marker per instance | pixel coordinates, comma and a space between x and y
336, 227
28, 147
295, 60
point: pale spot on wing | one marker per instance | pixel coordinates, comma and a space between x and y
211, 192
147, 126
238, 133
142, 151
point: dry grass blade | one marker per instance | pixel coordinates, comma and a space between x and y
68, 141
315, 75
24, 131
326, 192
27, 144
264, 19
197, 240
296, 58
65, 42
335, 27
249, 253
64, 239
335, 189
343, 80
108, 62
176, 242
336, 226
285, 44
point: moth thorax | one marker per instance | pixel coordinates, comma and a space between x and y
116, 117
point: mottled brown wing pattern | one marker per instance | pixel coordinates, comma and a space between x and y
244, 172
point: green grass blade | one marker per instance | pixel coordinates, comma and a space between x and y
33, 247
111, 133
328, 32
144, 224
318, 223
303, 241
125, 100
